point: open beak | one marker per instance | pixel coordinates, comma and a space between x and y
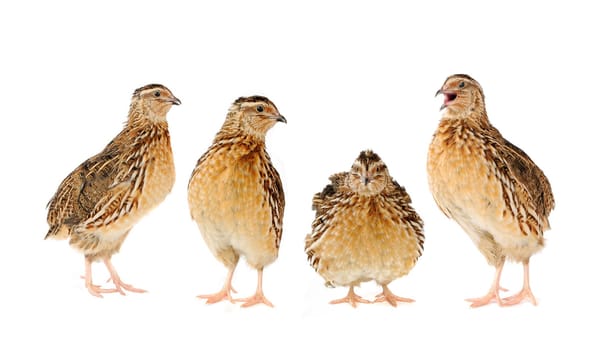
450, 96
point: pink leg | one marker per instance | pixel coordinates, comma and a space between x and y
525, 293
258, 297
352, 298
119, 285
224, 293
92, 288
391, 298
493, 294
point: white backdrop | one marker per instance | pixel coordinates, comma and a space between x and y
347, 77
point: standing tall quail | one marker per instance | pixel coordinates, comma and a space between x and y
490, 187
99, 202
235, 194
365, 229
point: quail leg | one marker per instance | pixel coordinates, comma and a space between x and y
93, 288
391, 298
224, 293
493, 294
119, 285
258, 297
525, 293
352, 298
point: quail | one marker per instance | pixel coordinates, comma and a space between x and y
365, 229
101, 200
236, 196
490, 187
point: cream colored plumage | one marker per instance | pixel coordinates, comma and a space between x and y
489, 186
365, 229
99, 202
236, 196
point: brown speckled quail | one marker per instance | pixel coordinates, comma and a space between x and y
365, 229
490, 187
99, 202
236, 196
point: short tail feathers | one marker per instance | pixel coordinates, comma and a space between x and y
58, 232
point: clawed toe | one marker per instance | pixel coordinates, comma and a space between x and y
257, 298
519, 298
352, 298
217, 297
391, 298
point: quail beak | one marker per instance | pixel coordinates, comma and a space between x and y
440, 91
449, 97
174, 101
277, 117
366, 180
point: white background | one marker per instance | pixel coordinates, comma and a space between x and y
347, 77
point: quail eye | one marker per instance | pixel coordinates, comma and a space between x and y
157, 93
461, 85
259, 108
